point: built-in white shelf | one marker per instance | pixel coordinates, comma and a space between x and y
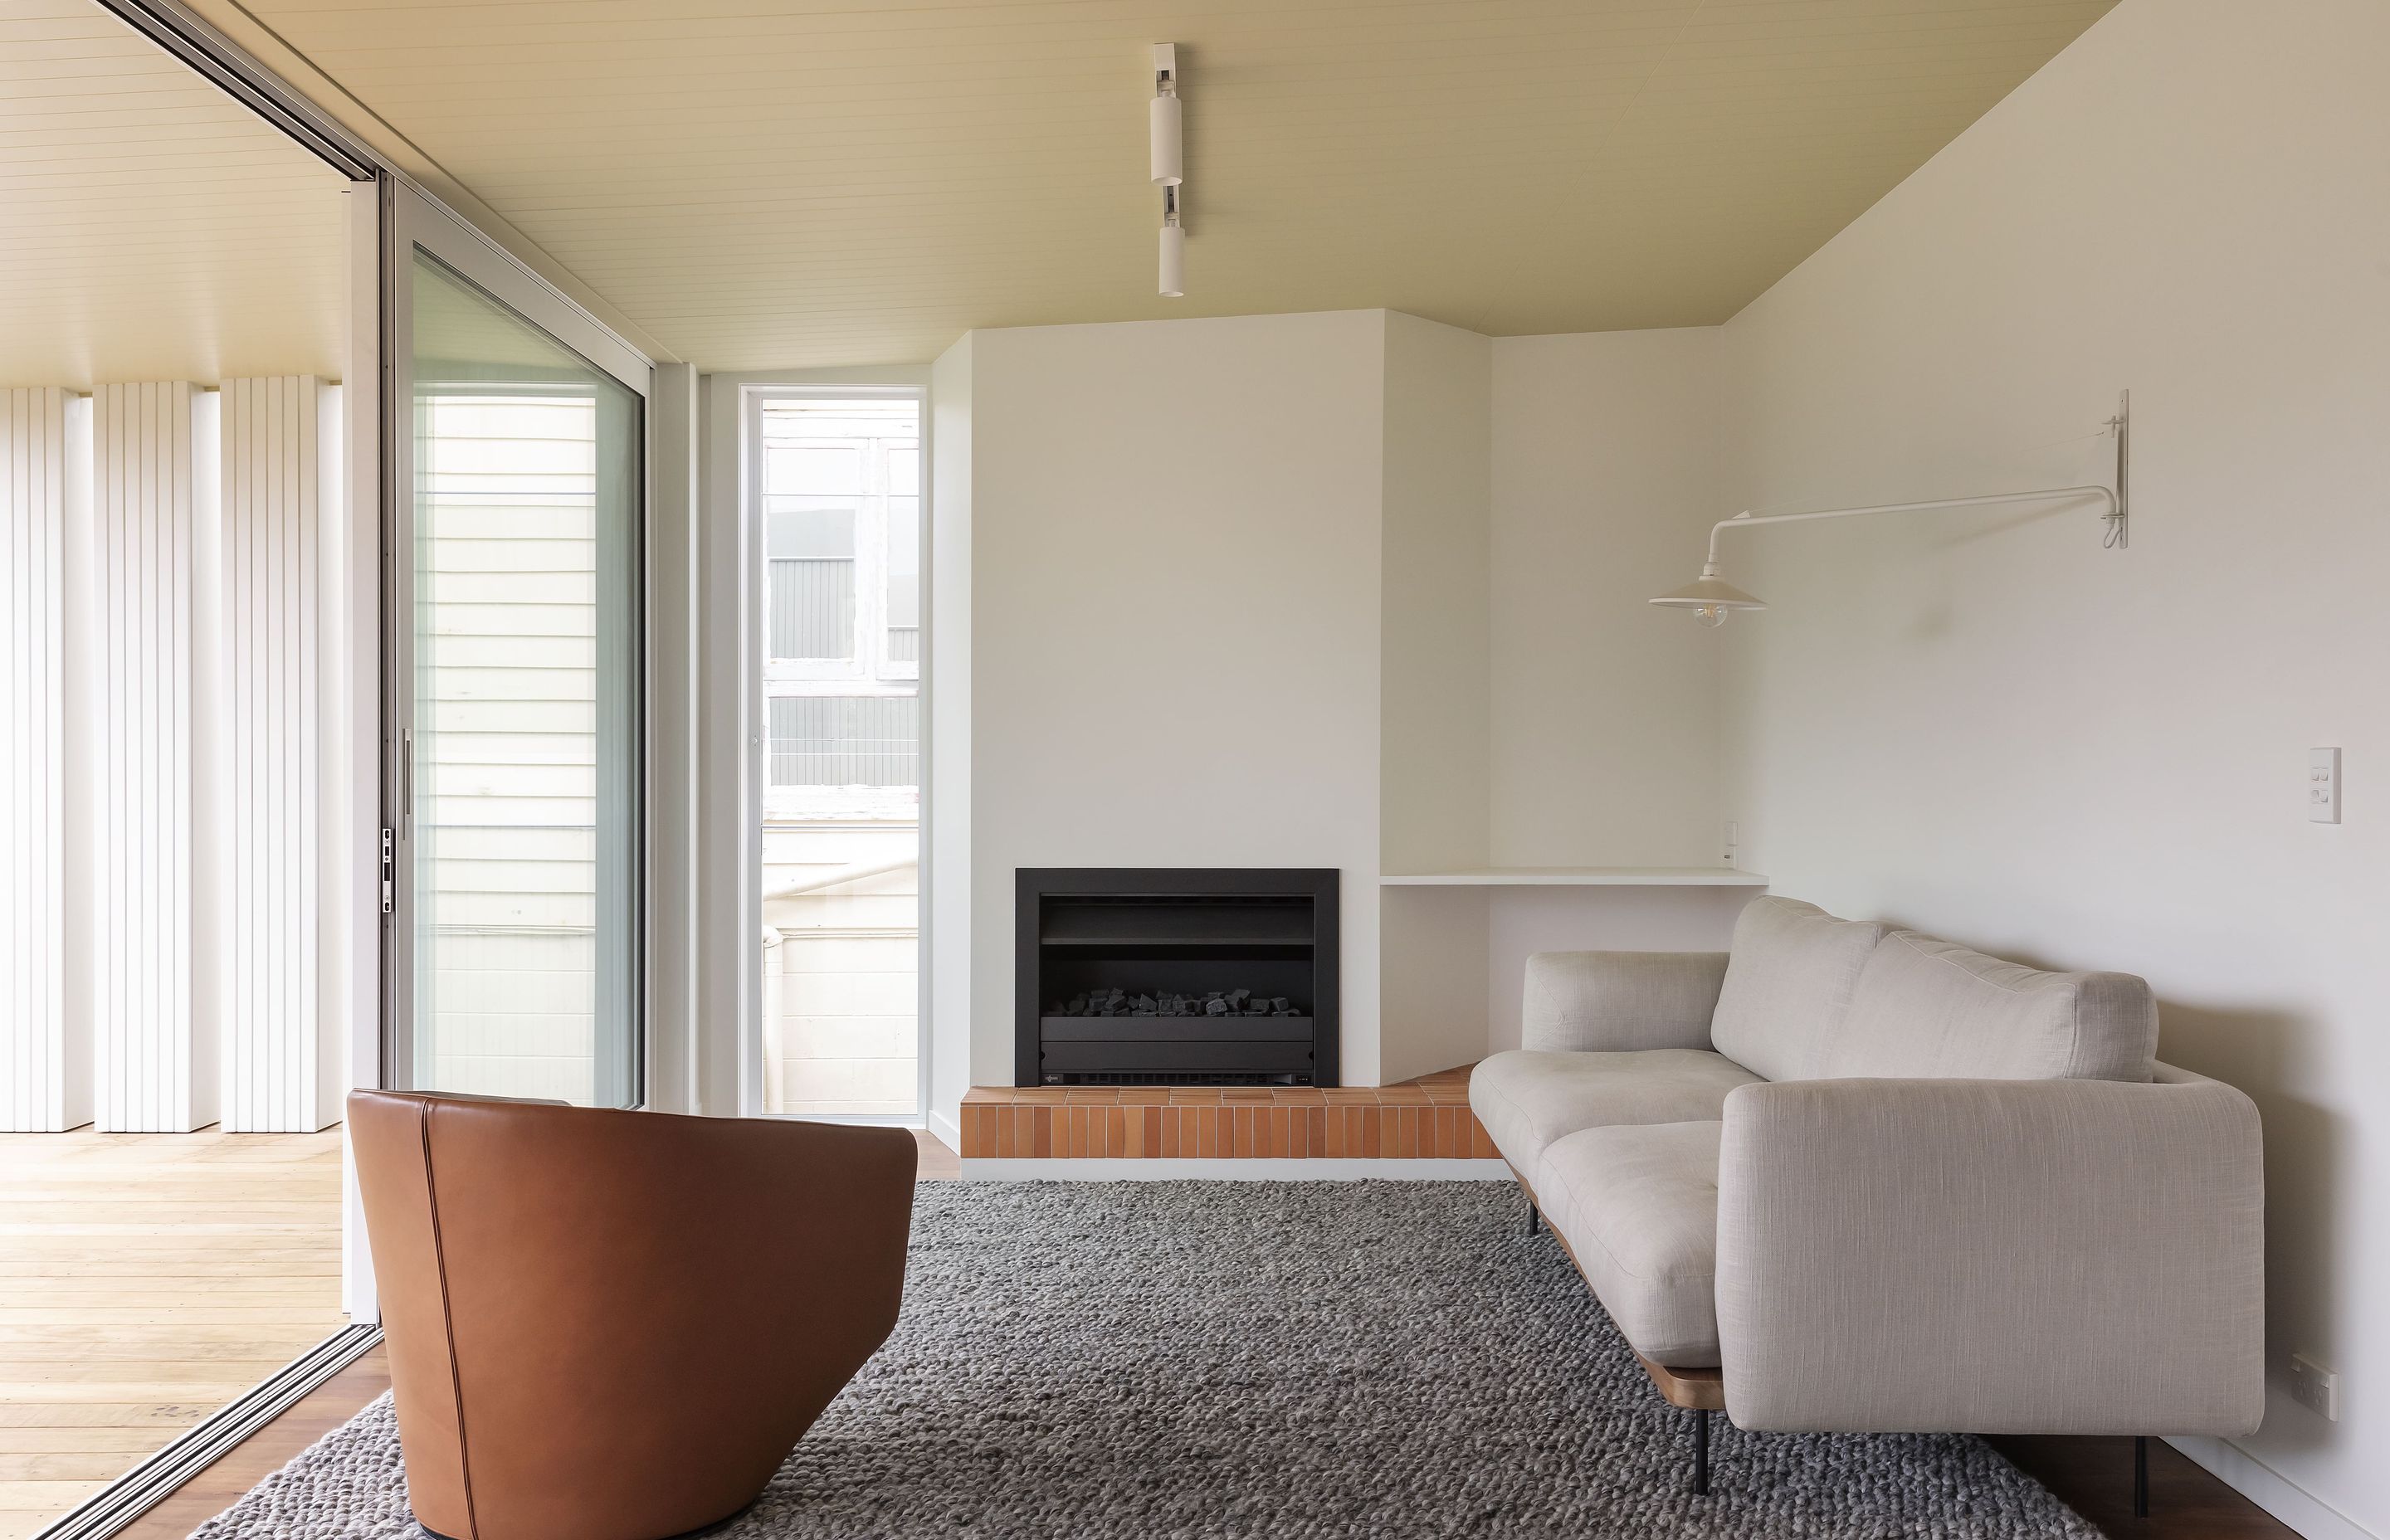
1578, 876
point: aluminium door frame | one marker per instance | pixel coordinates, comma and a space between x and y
377, 188
411, 221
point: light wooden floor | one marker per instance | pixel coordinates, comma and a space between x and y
146, 1279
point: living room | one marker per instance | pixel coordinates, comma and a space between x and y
1364, 770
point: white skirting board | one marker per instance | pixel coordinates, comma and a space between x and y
944, 1128
2272, 1491
996, 1169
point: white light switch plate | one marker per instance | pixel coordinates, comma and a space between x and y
2315, 1387
2324, 786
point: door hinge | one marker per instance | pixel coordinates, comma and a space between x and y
389, 873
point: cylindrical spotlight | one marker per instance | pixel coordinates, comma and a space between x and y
1167, 166
1173, 261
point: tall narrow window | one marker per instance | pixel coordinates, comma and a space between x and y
837, 494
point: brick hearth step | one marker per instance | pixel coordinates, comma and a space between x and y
1422, 1118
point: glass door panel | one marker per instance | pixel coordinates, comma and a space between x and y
518, 753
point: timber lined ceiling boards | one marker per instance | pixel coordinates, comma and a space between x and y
152, 227
763, 183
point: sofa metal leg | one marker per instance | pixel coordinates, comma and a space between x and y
1534, 1219
1701, 1453
2140, 1476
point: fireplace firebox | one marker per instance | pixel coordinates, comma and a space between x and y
1175, 976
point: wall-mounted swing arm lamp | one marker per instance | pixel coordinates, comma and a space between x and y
1712, 598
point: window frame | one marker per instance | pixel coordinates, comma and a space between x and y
410, 222
736, 458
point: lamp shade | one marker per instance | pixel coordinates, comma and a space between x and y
1165, 140
1173, 261
1709, 593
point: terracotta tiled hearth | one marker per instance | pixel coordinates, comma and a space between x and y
1422, 1118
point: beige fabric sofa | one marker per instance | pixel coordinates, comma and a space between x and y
1878, 1181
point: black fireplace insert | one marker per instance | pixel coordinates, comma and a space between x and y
1175, 976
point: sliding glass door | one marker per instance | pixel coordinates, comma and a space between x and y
515, 636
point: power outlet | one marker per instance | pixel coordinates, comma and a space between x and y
2315, 1387
2324, 786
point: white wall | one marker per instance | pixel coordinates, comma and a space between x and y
1435, 551
1433, 730
1986, 726
1392, 513
1174, 618
1521, 923
671, 726
1606, 474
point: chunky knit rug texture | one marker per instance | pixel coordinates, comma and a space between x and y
1284, 1359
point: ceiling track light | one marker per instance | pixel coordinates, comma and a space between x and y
1168, 166
1712, 598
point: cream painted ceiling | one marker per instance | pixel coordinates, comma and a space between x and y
764, 183
150, 227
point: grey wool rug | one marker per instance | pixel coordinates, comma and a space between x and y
1259, 1358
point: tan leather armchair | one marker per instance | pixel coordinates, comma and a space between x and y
614, 1326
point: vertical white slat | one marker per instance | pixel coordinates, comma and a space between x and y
151, 1026
113, 577
308, 1105
44, 1042
105, 769
22, 1061
272, 507
207, 830
281, 958
241, 516
241, 585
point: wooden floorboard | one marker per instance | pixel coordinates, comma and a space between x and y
146, 1279
266, 1451
2094, 1477
938, 1162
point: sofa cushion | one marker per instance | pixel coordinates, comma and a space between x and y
1935, 1010
1788, 983
1638, 1209
1526, 1099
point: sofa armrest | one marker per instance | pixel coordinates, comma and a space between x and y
1611, 1002
2051, 1256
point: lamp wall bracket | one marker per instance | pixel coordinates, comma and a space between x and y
2120, 518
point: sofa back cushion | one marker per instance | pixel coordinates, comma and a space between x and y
1933, 1009
1788, 983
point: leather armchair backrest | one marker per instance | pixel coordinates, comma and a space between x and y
615, 1324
